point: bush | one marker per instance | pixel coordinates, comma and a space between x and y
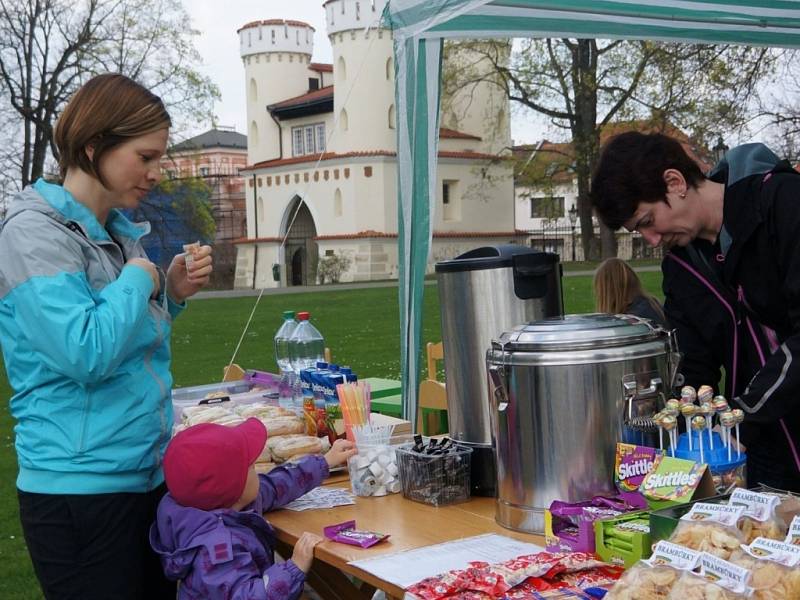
330, 268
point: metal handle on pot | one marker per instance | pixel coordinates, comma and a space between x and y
634, 393
499, 392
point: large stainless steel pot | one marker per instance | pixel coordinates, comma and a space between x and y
563, 392
483, 293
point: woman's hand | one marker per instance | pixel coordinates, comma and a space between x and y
186, 277
303, 554
151, 270
340, 451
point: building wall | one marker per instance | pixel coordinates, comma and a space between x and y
275, 59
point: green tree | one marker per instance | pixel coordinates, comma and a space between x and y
48, 48
583, 85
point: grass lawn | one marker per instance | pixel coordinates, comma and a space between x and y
360, 326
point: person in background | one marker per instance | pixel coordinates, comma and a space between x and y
211, 533
731, 277
617, 289
85, 321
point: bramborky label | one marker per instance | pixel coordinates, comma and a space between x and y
793, 537
723, 514
760, 507
725, 574
779, 552
678, 557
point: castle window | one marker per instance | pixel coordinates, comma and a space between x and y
260, 33
547, 207
358, 11
308, 139
204, 172
297, 36
272, 35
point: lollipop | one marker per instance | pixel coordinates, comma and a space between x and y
688, 411
657, 418
669, 423
673, 404
727, 420
719, 403
738, 415
698, 424
705, 393
707, 410
688, 395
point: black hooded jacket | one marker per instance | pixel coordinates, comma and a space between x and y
736, 306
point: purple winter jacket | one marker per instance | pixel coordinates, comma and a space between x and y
225, 554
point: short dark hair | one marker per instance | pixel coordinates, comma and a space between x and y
631, 170
106, 111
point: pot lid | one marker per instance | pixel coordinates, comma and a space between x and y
573, 332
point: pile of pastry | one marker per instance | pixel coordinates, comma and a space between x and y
286, 432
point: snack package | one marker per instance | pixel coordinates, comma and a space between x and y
710, 528
654, 578
759, 519
717, 580
793, 537
773, 566
346, 533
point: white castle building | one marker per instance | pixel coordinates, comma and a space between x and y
322, 162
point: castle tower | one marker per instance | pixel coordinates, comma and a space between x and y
363, 70
276, 54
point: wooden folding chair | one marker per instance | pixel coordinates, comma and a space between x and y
432, 393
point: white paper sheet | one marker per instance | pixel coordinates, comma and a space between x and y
407, 568
321, 497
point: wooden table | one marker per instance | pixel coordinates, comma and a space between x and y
410, 524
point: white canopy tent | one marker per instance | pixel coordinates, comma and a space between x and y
420, 26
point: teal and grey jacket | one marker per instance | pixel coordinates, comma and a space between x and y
85, 348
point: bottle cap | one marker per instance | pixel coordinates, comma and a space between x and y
288, 314
303, 316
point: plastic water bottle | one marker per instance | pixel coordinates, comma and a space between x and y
306, 348
283, 358
306, 344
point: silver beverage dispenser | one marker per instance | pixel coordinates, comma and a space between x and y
483, 293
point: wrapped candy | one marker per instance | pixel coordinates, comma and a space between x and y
707, 410
704, 394
688, 395
738, 415
669, 423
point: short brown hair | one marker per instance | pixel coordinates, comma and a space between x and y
105, 112
631, 170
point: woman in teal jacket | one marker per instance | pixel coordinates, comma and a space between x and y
85, 321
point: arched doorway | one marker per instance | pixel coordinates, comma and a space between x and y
301, 250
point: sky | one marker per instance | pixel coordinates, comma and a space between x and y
218, 44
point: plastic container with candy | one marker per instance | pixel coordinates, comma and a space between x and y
435, 476
374, 471
726, 474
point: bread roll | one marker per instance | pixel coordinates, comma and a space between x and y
286, 447
277, 426
262, 411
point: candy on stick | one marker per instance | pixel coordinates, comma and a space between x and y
688, 395
727, 420
698, 424
738, 415
704, 394
657, 419
689, 410
673, 405
707, 410
669, 422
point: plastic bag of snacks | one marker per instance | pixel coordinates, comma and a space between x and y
773, 566
717, 580
759, 519
653, 578
793, 536
710, 528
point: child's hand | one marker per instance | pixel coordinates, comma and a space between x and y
303, 554
340, 451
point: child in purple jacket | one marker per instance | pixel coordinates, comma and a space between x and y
210, 532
